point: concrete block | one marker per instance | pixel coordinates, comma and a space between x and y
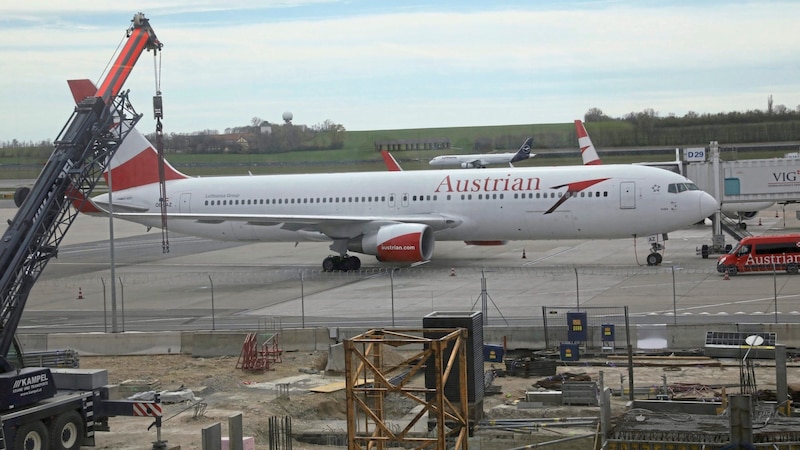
335, 358
128, 343
83, 379
248, 443
543, 397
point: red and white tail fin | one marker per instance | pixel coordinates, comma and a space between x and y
391, 164
136, 161
588, 152
82, 203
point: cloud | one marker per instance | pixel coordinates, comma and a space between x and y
409, 65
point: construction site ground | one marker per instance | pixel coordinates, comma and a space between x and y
222, 390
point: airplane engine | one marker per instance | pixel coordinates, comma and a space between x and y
467, 166
747, 214
401, 242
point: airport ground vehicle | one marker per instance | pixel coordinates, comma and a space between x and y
61, 409
762, 254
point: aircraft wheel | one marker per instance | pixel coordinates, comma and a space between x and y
31, 436
653, 259
792, 269
742, 226
329, 264
351, 263
732, 270
20, 195
66, 431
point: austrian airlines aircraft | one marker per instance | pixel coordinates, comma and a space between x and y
482, 160
398, 216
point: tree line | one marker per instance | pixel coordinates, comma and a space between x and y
636, 129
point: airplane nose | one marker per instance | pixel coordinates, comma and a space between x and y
708, 205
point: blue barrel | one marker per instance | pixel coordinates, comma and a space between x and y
570, 351
493, 353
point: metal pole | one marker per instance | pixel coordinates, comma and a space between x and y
114, 328
775, 288
577, 289
105, 310
484, 295
391, 286
630, 354
213, 319
302, 303
674, 300
122, 302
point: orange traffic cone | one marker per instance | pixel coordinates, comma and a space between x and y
726, 276
523, 254
776, 213
452, 271
80, 293
759, 221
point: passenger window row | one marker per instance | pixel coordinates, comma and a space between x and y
382, 199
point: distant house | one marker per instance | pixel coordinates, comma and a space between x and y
229, 142
412, 144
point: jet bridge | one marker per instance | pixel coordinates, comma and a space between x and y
745, 182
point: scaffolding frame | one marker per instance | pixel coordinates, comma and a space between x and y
368, 380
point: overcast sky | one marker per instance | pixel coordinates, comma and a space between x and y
372, 65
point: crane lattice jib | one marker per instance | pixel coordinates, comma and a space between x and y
83, 149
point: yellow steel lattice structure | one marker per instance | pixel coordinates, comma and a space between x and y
371, 377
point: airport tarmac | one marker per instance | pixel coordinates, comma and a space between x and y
201, 284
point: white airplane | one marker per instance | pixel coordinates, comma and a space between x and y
738, 210
398, 216
482, 160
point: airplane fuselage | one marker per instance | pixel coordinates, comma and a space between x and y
475, 161
610, 201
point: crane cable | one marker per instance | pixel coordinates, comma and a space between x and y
158, 113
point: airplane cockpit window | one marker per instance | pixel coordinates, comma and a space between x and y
677, 188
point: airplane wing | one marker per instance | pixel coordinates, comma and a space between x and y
479, 163
334, 226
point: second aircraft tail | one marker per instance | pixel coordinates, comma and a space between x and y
136, 161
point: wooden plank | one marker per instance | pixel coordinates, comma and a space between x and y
337, 386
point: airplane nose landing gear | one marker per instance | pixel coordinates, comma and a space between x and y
655, 258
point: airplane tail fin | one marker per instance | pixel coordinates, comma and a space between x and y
83, 203
588, 152
524, 151
391, 164
136, 161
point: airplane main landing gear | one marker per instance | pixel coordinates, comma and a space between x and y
344, 263
655, 258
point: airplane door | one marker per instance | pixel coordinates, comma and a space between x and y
391, 201
627, 195
185, 204
404, 200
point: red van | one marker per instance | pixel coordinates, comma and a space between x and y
762, 254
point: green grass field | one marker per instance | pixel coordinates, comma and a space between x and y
554, 144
